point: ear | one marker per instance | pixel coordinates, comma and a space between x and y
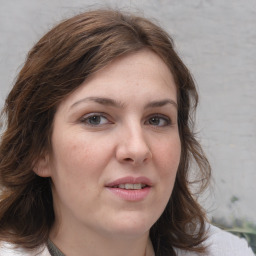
42, 167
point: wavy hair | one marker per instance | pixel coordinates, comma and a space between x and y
55, 67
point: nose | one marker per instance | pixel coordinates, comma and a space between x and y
133, 148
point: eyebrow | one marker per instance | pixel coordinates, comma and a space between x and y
118, 104
100, 100
161, 103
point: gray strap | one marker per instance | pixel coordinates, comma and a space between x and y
53, 249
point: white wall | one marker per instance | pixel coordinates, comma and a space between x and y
216, 39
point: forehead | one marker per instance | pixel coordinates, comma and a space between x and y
147, 61
139, 75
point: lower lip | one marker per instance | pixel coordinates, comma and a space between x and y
131, 194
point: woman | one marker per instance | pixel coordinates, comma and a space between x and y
98, 146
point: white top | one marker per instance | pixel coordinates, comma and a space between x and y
221, 243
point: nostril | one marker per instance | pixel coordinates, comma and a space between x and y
128, 159
133, 154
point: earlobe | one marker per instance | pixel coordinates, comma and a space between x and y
42, 166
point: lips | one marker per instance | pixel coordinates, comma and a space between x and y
128, 181
130, 188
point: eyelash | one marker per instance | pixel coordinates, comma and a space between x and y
158, 117
85, 119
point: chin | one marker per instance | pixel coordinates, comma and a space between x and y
132, 226
130, 232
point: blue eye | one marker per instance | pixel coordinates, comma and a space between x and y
159, 121
95, 120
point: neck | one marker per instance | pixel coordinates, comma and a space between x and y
95, 244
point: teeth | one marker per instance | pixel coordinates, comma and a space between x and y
121, 186
137, 186
131, 186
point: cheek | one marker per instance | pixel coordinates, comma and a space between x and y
75, 168
168, 154
168, 159
80, 155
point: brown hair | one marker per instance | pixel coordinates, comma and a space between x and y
55, 67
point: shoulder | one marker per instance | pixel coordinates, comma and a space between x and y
7, 249
222, 243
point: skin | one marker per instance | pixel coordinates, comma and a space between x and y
97, 141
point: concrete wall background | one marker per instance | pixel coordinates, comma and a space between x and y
216, 39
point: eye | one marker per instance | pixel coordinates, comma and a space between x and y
95, 119
158, 120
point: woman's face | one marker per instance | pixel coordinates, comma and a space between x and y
116, 148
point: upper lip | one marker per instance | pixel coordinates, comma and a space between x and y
130, 180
